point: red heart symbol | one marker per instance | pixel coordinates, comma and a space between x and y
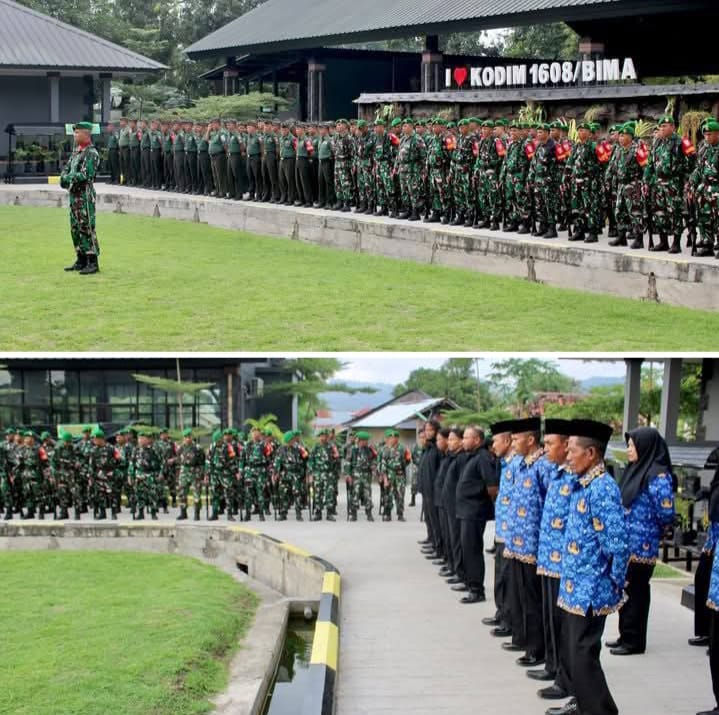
460, 76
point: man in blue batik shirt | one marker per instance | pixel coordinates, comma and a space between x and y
595, 559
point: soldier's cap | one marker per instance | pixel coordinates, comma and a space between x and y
439, 121
488, 123
45, 435
391, 433
585, 125
361, 124
665, 119
268, 431
298, 433
216, 435
87, 428
628, 128
83, 125
557, 426
124, 430
342, 121
463, 123
28, 433
164, 430
502, 123
556, 124
380, 123
396, 122
595, 126
287, 437
9, 431
65, 437
408, 120
530, 424
362, 435
711, 126
187, 432
132, 430
542, 125
474, 120
515, 125
504, 426
590, 428
451, 125
228, 430
525, 125
98, 432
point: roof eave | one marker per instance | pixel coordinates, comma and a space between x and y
81, 68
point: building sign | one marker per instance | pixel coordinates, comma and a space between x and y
544, 74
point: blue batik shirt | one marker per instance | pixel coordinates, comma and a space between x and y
525, 509
504, 496
554, 521
712, 540
596, 547
647, 517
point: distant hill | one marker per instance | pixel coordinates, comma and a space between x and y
342, 402
591, 382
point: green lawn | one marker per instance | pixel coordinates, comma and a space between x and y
168, 285
122, 633
667, 571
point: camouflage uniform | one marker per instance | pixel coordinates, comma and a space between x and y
583, 174
461, 177
167, 452
365, 185
255, 467
629, 209
438, 160
80, 486
290, 471
514, 181
321, 469
64, 465
224, 475
342, 148
410, 165
191, 459
143, 472
393, 463
489, 164
383, 156
543, 176
103, 461
362, 469
704, 183
33, 469
610, 189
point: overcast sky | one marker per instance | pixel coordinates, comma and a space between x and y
395, 369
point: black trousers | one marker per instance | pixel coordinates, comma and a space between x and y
205, 172
582, 641
219, 173
455, 545
236, 186
145, 168
169, 169
525, 605
192, 172
179, 173
501, 577
113, 159
125, 164
254, 171
472, 539
702, 576
135, 168
552, 620
326, 182
634, 615
156, 168
270, 177
303, 178
714, 651
287, 180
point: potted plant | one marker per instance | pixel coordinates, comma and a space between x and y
21, 161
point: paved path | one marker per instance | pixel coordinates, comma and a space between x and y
408, 646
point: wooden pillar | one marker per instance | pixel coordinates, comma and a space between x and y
671, 393
106, 98
632, 393
53, 79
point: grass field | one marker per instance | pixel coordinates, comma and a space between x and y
167, 285
122, 633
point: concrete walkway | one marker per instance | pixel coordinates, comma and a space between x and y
409, 646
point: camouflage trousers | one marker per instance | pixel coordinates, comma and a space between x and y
585, 206
360, 494
707, 203
8, 494
629, 211
515, 193
33, 492
489, 199
438, 194
190, 484
384, 186
343, 180
365, 184
666, 207
101, 492
461, 188
224, 486
290, 492
82, 222
394, 495
610, 196
545, 202
63, 493
255, 481
144, 488
410, 180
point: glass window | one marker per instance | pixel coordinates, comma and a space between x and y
92, 386
37, 388
65, 390
11, 387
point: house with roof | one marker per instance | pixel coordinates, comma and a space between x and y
52, 73
406, 413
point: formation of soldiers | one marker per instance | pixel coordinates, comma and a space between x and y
236, 476
572, 545
521, 177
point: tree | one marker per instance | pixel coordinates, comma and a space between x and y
237, 106
547, 42
265, 422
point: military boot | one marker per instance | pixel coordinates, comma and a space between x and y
197, 512
591, 238
362, 208
620, 240
41, 513
317, 516
63, 514
523, 229
92, 266
230, 514
637, 242
140, 514
494, 226
80, 263
337, 206
8, 514
298, 514
113, 514
578, 235
539, 232
183, 514
76, 514
103, 513
346, 207
369, 516
414, 216
481, 223
551, 231
153, 512
663, 244
458, 219
676, 245
400, 517
214, 516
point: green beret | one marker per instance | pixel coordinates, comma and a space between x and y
408, 120
665, 119
268, 431
9, 431
288, 436
525, 125
228, 430
596, 126
555, 125
216, 435
488, 123
463, 123
297, 433
342, 121
187, 432
65, 437
362, 124
84, 125
380, 123
451, 125
28, 433
711, 126
628, 128
132, 430
98, 432
396, 122
515, 125
542, 125
474, 120
362, 435
502, 123
585, 125
45, 435
87, 428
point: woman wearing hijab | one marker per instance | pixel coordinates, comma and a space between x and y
713, 599
648, 496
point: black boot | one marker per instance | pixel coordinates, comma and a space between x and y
620, 240
80, 263
298, 514
591, 238
197, 512
91, 267
578, 235
183, 513
337, 206
41, 513
414, 216
551, 231
538, 232
458, 220
663, 244
214, 516
676, 245
76, 514
411, 501
8, 514
346, 207
523, 230
154, 514
369, 516
140, 514
637, 242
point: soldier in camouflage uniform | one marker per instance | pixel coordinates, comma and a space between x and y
664, 177
321, 476
167, 451
628, 171
64, 465
224, 474
704, 189
461, 174
7, 466
543, 176
289, 475
255, 468
142, 474
81, 490
410, 167
362, 469
365, 143
583, 177
104, 459
492, 151
609, 185
417, 451
191, 459
78, 177
393, 462
33, 468
382, 166
438, 159
513, 177
343, 150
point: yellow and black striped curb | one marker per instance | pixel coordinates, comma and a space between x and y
324, 659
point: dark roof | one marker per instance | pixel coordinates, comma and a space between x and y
287, 24
31, 40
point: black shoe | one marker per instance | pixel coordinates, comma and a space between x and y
529, 660
637, 243
511, 647
551, 232
491, 621
663, 244
458, 220
370, 517
540, 674
460, 587
592, 238
80, 263
492, 550
91, 267
523, 230
473, 597
676, 245
337, 206
446, 572
494, 226
570, 708
437, 562
399, 518
620, 240
553, 692
624, 650
454, 580
403, 215
699, 640
613, 644
481, 224
502, 632
612, 233
577, 236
